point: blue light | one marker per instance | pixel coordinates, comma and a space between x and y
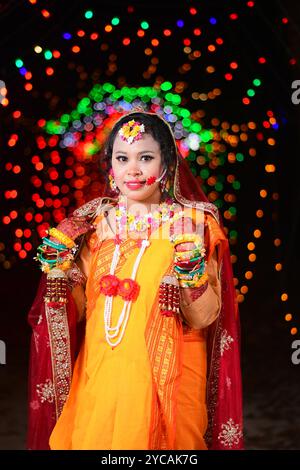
180, 23
275, 126
212, 20
23, 71
67, 36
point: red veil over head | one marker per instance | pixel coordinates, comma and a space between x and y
49, 378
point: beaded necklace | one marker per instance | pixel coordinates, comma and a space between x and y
111, 285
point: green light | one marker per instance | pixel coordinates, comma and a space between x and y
89, 14
185, 113
19, 63
204, 174
165, 86
250, 92
240, 157
115, 21
144, 25
218, 186
236, 185
232, 210
219, 203
65, 118
256, 82
176, 99
48, 55
233, 234
196, 127
186, 122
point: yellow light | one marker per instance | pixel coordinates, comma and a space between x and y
248, 274
38, 49
252, 257
288, 317
263, 193
244, 289
270, 168
257, 233
251, 246
278, 266
284, 297
294, 331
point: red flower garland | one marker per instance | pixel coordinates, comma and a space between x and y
111, 285
128, 289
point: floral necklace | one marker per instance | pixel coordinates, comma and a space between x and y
128, 289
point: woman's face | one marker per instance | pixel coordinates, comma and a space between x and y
133, 163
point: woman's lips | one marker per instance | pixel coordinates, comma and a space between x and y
132, 185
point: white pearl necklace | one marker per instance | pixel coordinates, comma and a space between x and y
118, 331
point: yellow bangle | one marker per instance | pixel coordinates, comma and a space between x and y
188, 237
197, 283
54, 232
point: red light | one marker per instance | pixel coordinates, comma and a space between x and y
167, 32
45, 13
22, 254
228, 76
233, 16
141, 33
187, 42
285, 20
8, 166
16, 114
28, 246
17, 246
28, 217
219, 41
126, 41
246, 101
13, 214
262, 60
27, 233
6, 220
38, 218
193, 11
19, 233
56, 54
197, 32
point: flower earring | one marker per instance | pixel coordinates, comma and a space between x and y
164, 183
112, 182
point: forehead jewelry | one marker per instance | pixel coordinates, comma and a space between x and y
131, 131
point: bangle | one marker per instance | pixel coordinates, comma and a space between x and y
57, 246
186, 255
54, 232
197, 283
199, 266
188, 237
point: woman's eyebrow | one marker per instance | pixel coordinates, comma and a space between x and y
125, 153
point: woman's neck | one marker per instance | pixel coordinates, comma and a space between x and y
145, 206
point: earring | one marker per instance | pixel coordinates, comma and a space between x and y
112, 182
164, 183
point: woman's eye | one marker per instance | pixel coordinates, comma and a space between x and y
147, 157
120, 158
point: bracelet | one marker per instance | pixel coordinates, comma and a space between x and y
195, 283
54, 232
186, 255
57, 246
188, 237
199, 266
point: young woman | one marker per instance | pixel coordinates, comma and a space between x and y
147, 270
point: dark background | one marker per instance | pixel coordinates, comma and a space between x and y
271, 382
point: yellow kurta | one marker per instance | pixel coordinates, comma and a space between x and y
110, 401
109, 404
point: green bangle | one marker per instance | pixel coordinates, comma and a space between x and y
48, 261
57, 246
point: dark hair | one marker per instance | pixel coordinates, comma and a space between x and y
157, 128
